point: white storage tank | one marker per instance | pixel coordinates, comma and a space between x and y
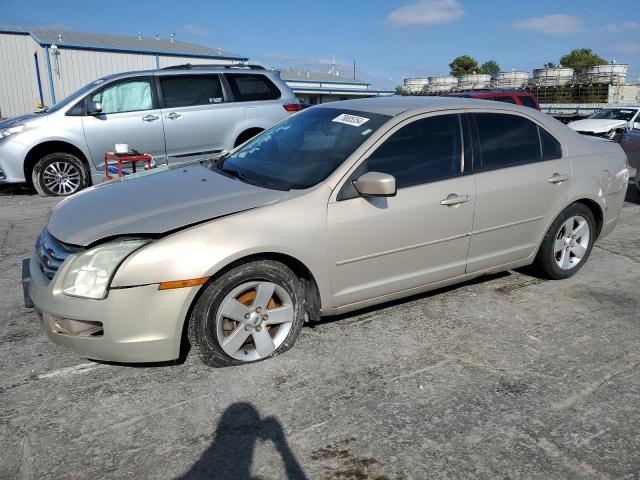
473, 81
513, 79
613, 73
551, 77
415, 85
444, 83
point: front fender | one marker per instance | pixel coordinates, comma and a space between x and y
294, 227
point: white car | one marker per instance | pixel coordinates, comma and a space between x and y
605, 122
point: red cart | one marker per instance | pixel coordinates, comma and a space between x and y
111, 158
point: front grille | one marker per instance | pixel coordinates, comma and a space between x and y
50, 253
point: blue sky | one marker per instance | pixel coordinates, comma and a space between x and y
389, 40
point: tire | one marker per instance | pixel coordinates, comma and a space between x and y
230, 322
59, 174
560, 255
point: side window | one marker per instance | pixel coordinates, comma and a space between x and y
528, 101
551, 148
507, 140
504, 99
127, 96
247, 87
189, 90
423, 151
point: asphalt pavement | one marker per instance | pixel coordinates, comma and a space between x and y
505, 377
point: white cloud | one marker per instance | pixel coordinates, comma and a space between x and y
557, 24
194, 30
425, 13
620, 27
627, 47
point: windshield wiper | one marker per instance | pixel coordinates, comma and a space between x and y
236, 174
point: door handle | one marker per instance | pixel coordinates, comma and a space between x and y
454, 199
557, 178
173, 115
150, 118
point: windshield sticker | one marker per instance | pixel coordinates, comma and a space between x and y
352, 120
367, 132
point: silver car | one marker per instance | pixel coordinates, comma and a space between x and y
175, 114
336, 208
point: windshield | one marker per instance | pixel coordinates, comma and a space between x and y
75, 95
304, 149
614, 114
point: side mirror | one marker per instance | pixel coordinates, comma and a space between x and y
376, 184
94, 108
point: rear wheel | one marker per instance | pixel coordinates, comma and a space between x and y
248, 314
568, 243
59, 174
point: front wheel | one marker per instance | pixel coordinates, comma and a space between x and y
59, 174
248, 314
568, 243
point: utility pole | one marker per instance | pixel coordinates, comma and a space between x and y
354, 69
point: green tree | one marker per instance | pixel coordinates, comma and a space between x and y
400, 91
490, 67
463, 65
580, 58
550, 65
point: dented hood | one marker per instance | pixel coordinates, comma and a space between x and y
154, 204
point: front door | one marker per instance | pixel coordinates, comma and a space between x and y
523, 181
129, 115
198, 122
382, 245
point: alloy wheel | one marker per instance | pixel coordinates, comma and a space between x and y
571, 242
61, 178
253, 320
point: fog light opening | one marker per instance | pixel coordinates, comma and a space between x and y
76, 328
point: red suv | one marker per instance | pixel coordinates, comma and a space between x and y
507, 96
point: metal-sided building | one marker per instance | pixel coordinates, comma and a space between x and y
314, 87
43, 65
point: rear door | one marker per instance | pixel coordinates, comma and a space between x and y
198, 118
523, 180
130, 115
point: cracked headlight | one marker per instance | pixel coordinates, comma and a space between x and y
90, 273
5, 132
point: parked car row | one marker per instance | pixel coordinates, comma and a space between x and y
339, 207
176, 114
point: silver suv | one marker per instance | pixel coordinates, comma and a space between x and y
177, 114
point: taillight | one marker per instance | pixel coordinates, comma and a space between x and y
292, 107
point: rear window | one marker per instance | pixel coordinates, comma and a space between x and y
188, 90
507, 140
252, 87
528, 101
551, 148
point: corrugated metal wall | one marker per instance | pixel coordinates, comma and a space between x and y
169, 61
71, 69
18, 83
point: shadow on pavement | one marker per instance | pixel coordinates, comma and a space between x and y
230, 455
16, 189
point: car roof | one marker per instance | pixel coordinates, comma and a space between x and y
396, 104
193, 70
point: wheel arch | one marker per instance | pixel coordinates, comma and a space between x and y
246, 134
313, 301
596, 209
52, 146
